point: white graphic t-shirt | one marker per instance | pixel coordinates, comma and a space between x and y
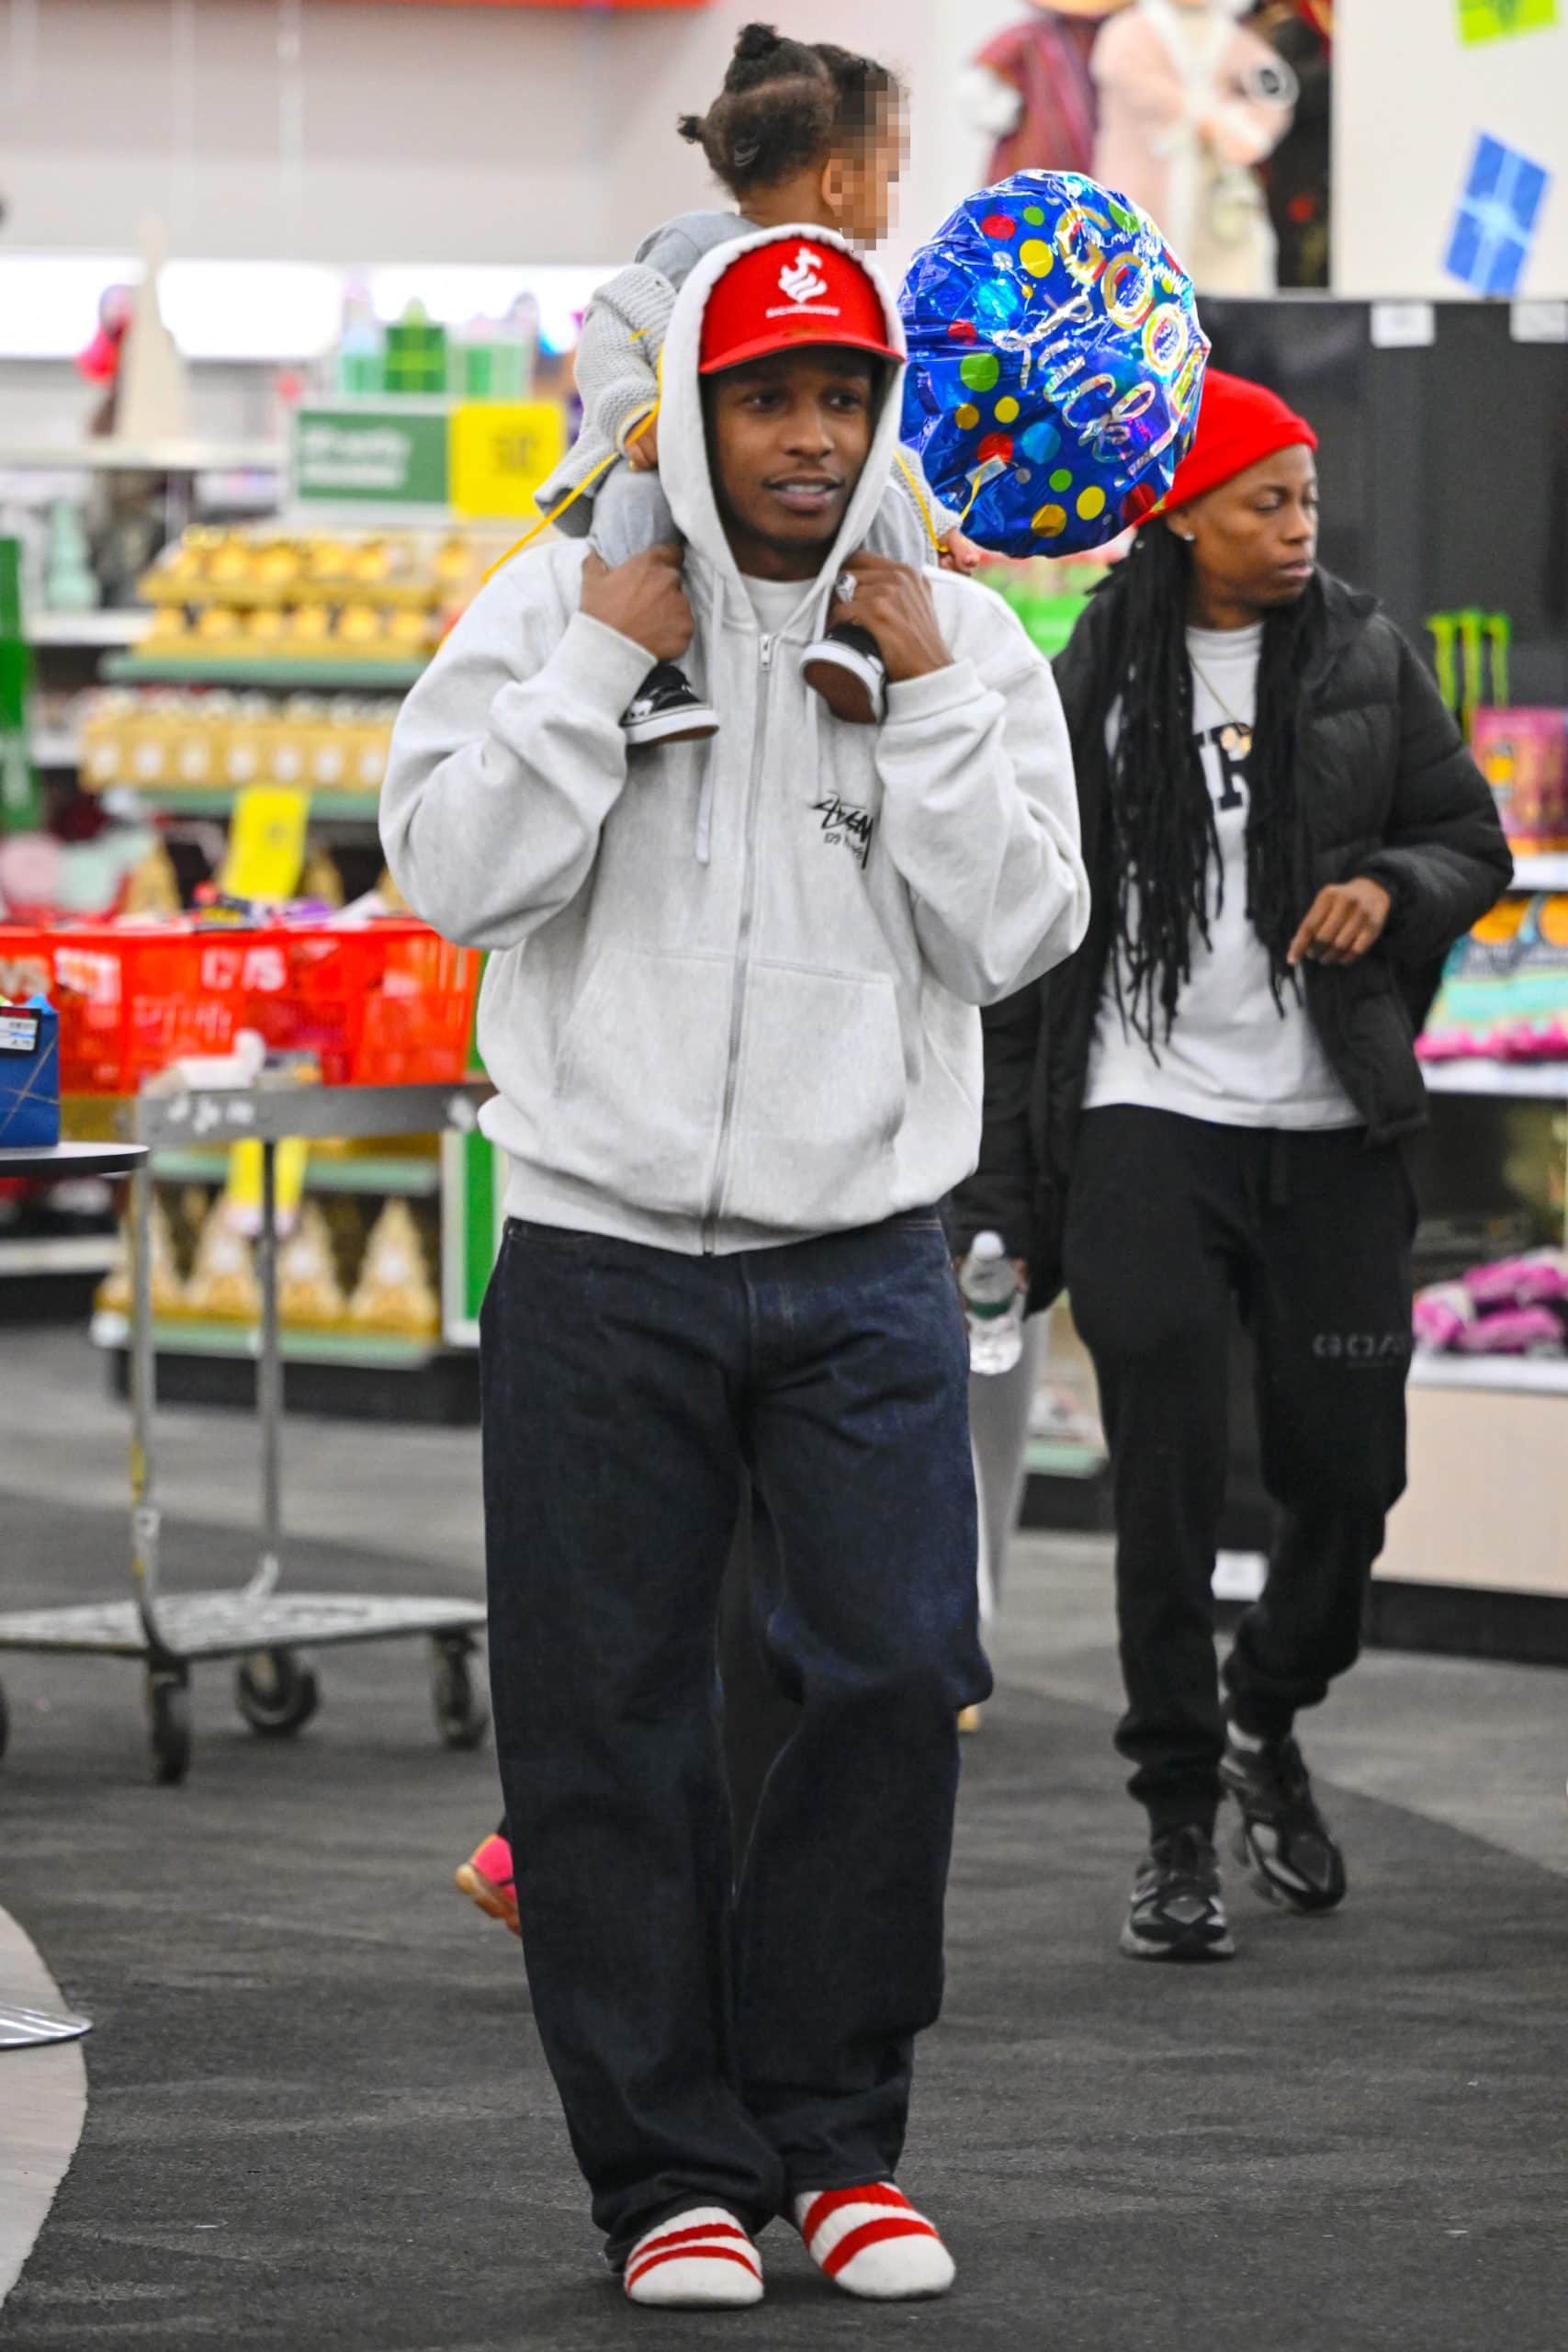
1233, 1056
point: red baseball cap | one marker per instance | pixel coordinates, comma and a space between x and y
1239, 425
789, 293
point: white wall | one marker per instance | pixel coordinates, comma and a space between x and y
1409, 99
423, 135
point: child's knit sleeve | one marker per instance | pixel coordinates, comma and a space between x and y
617, 357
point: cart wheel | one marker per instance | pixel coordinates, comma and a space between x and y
462, 1715
275, 1694
4, 1722
168, 1724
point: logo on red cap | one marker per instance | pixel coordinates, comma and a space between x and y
827, 297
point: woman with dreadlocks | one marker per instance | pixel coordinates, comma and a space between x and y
1285, 834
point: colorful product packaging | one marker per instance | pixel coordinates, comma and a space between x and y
29, 1074
1523, 754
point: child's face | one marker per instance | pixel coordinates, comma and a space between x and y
858, 185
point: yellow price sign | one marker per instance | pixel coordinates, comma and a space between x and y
267, 842
500, 451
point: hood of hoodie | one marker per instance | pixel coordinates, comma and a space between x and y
683, 467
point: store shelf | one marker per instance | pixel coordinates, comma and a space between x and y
234, 670
411, 1178
109, 456
1520, 1376
36, 1253
1544, 871
332, 807
97, 628
369, 1350
1525, 1081
55, 749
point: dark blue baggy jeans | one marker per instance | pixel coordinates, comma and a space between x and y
712, 2044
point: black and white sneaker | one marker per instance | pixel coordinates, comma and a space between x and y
666, 710
1287, 1847
1177, 1912
847, 669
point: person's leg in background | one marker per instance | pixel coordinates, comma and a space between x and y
1000, 1406
1330, 1316
1153, 1237
860, 1450
613, 1377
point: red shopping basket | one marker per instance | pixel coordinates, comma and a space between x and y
384, 1004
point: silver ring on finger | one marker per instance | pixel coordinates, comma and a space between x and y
844, 587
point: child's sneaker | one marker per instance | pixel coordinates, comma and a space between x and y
486, 1879
847, 669
872, 2243
667, 711
700, 2260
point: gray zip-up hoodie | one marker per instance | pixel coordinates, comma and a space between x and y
731, 998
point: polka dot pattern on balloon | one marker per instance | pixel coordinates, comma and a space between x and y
1054, 348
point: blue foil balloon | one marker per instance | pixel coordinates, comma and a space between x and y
1055, 364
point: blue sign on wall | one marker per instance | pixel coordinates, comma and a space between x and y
1494, 226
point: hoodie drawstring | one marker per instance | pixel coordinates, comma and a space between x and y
705, 798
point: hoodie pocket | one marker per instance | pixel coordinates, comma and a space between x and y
820, 1100
639, 1078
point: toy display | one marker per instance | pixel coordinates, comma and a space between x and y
1523, 754
1505, 990
1516, 1306
1055, 364
1189, 103
1031, 88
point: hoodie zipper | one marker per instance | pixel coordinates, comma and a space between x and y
742, 942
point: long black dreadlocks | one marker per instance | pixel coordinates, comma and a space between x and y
1164, 842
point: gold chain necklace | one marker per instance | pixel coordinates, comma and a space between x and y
1236, 739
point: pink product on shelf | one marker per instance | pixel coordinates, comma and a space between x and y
1539, 1278
1441, 1313
1523, 754
1517, 1332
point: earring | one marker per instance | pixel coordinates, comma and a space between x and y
1190, 537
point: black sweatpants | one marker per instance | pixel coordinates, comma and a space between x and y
1169, 1221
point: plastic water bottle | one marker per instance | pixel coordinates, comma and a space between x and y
993, 1300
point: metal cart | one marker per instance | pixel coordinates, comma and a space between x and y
259, 1627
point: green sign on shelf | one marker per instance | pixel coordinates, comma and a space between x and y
387, 456
1481, 20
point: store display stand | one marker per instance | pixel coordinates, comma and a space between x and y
258, 1626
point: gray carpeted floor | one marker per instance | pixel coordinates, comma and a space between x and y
318, 2117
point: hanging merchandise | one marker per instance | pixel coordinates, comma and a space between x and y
1032, 89
1055, 364
1190, 102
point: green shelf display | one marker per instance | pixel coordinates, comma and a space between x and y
411, 1179
380, 1351
326, 807
292, 677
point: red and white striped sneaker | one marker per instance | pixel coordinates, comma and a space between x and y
870, 2241
700, 2260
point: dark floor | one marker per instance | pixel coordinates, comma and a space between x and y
318, 2117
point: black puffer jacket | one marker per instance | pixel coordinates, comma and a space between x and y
1388, 789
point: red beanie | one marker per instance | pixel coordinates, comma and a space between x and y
1239, 425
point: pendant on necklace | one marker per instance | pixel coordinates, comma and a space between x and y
1237, 743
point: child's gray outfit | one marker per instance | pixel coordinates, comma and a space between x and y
617, 381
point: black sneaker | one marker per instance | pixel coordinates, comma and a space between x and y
1283, 1841
847, 669
1177, 1912
667, 711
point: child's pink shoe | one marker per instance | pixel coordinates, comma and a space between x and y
486, 1879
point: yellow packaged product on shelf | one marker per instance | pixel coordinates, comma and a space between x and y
308, 1292
394, 1293
222, 1286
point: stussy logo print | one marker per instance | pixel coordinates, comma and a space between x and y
843, 821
